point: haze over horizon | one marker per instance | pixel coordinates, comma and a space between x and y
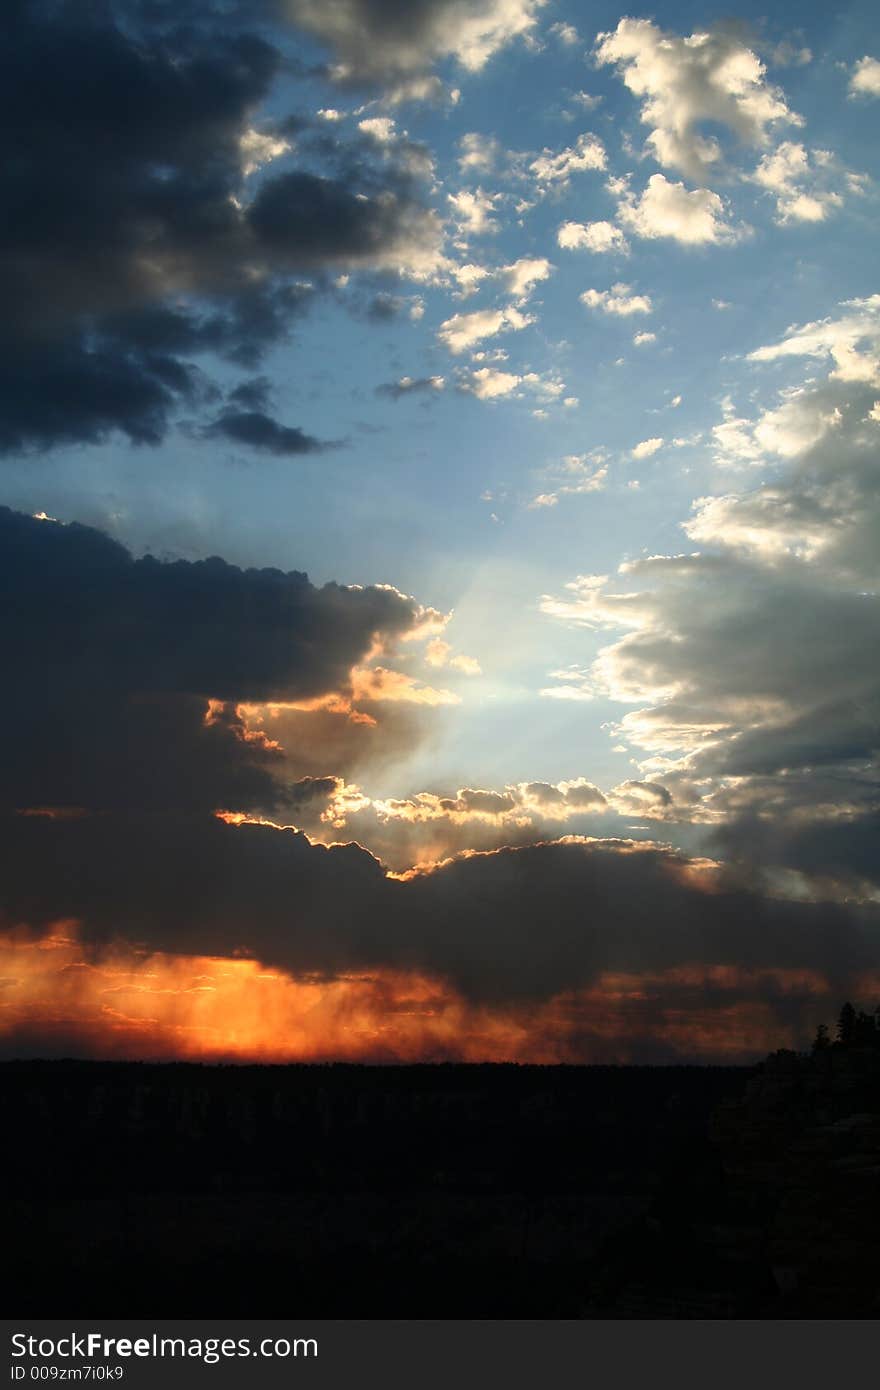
438, 528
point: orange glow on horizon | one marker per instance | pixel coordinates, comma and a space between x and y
60, 998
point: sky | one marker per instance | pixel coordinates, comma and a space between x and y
438, 472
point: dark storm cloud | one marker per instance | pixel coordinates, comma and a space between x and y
253, 394
306, 221
124, 154
259, 431
534, 920
843, 848
384, 307
248, 321
111, 661
70, 393
408, 386
129, 240
514, 926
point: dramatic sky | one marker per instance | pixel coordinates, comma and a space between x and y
439, 510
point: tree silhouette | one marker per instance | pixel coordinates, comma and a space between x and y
846, 1026
821, 1041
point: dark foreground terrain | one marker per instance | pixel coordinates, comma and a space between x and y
144, 1190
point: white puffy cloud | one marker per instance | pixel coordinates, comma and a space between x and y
565, 33
643, 339
479, 153
803, 182
647, 447
586, 101
592, 236
551, 169
258, 148
380, 128
487, 383
851, 341
472, 211
521, 277
549, 387
469, 277
490, 383
685, 82
865, 78
618, 301
463, 330
693, 217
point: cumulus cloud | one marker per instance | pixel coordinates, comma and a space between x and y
695, 217
617, 301
555, 170
479, 153
565, 33
472, 212
592, 236
801, 418
259, 148
469, 277
686, 83
865, 78
523, 275
851, 341
646, 448
490, 383
803, 182
379, 128
462, 331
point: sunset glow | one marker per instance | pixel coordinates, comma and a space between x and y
121, 1002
